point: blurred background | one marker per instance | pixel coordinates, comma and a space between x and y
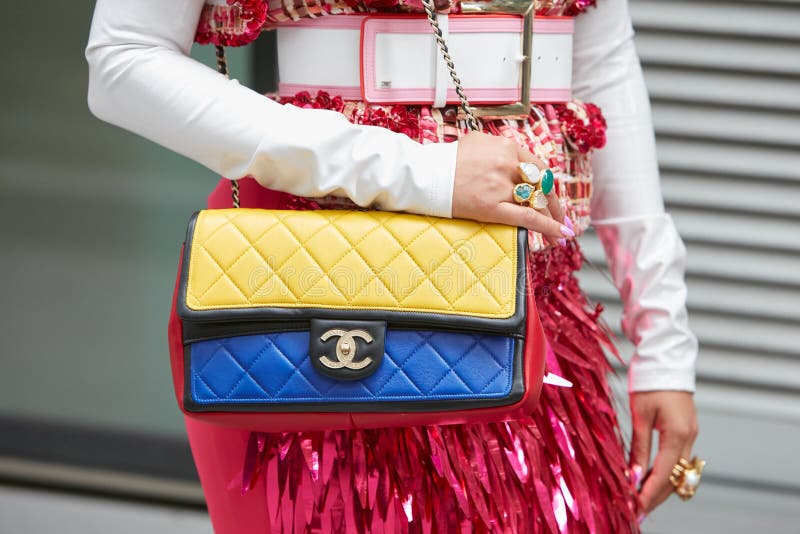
91, 220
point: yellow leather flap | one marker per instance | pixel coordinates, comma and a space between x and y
251, 258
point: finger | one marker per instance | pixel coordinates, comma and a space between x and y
554, 203
657, 486
686, 453
555, 241
641, 445
527, 217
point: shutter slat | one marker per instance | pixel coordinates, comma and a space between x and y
715, 157
737, 229
727, 124
740, 19
731, 193
711, 53
723, 88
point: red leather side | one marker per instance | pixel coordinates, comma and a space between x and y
175, 336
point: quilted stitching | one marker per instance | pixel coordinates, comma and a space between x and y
343, 259
417, 365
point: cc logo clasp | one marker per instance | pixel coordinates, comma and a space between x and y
346, 349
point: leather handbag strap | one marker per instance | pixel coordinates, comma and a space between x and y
222, 68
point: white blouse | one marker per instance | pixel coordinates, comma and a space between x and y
141, 79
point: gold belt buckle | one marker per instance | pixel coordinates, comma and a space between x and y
526, 8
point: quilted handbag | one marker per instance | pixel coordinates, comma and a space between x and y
307, 320
336, 319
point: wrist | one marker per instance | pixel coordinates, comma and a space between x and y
646, 380
437, 167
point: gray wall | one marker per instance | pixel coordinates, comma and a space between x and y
91, 221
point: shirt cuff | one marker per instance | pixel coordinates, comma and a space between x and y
434, 173
642, 379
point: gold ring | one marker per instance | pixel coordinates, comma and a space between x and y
539, 200
523, 193
529, 172
686, 475
541, 182
528, 195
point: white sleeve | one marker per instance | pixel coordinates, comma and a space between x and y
645, 253
141, 78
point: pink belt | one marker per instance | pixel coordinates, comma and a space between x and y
388, 59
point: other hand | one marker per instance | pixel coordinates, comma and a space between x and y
486, 172
673, 415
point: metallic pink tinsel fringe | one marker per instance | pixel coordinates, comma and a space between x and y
563, 471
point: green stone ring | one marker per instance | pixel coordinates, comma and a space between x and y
547, 181
522, 193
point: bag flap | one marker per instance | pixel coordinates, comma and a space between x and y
284, 266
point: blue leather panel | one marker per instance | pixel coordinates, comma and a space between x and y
418, 365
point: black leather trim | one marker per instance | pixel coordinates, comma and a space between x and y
196, 321
514, 396
194, 332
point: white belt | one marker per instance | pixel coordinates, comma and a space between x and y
394, 59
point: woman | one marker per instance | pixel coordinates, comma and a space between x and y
565, 472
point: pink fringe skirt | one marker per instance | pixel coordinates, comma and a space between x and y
563, 470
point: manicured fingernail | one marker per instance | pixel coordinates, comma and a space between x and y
568, 222
636, 475
562, 242
642, 518
566, 231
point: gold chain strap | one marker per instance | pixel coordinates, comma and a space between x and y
222, 68
472, 122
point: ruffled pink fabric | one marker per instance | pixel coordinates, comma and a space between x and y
583, 125
235, 24
239, 22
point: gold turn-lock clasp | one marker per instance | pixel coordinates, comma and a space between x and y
526, 8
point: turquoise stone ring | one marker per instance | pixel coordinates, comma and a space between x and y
522, 193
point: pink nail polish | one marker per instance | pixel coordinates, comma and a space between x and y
566, 232
636, 475
642, 518
562, 242
568, 222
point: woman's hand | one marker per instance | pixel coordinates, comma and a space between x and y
672, 414
486, 172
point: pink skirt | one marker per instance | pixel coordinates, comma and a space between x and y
563, 470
